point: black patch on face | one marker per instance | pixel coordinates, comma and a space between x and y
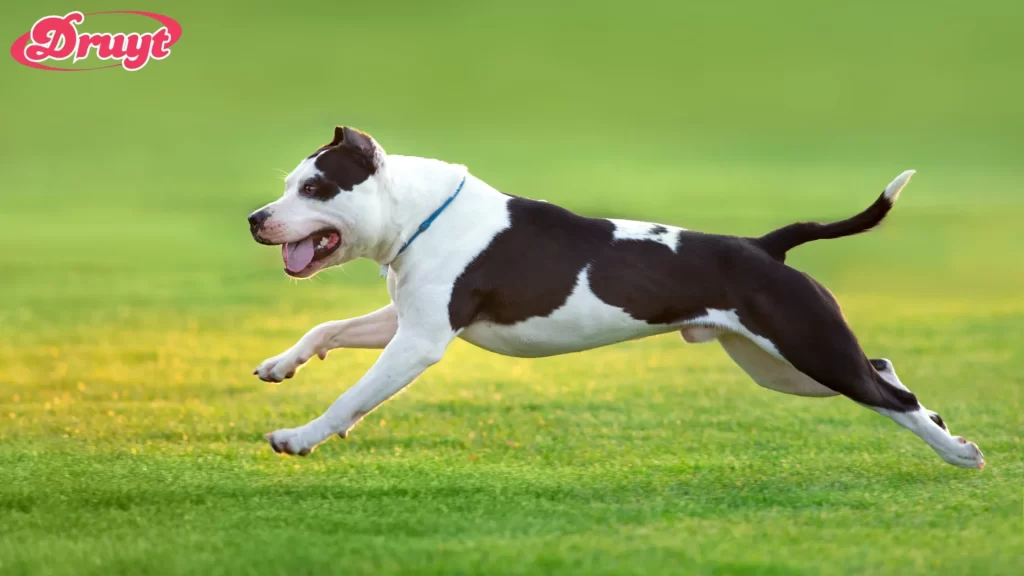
344, 167
319, 188
530, 269
347, 161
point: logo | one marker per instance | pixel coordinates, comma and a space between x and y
58, 38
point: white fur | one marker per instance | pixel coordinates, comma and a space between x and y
892, 191
373, 330
635, 230
955, 450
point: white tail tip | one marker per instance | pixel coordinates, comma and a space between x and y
892, 191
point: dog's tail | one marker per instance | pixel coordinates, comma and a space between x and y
777, 243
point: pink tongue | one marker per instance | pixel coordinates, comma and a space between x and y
298, 255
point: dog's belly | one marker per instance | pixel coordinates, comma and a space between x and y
582, 323
552, 336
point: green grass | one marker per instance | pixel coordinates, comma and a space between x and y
134, 306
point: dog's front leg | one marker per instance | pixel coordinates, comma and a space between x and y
373, 330
404, 358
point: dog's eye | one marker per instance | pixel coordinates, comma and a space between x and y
309, 189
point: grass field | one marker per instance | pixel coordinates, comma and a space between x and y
134, 305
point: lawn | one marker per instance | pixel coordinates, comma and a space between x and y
134, 305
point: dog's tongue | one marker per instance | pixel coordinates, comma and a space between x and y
297, 255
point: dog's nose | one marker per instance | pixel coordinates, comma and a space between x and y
256, 219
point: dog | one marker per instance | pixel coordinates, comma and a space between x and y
527, 278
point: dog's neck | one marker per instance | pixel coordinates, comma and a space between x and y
416, 188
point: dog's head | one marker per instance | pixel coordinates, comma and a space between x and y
332, 209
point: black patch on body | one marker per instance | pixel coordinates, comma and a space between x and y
347, 161
658, 230
530, 269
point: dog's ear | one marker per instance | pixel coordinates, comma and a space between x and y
339, 136
359, 142
355, 140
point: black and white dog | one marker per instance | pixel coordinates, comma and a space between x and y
526, 278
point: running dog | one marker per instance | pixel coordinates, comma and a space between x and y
526, 278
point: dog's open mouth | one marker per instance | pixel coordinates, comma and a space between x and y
304, 257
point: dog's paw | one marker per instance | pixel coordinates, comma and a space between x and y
968, 455
283, 366
289, 441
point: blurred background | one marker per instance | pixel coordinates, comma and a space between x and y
728, 117
134, 304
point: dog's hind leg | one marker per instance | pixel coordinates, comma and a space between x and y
799, 321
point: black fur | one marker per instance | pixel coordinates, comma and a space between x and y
530, 269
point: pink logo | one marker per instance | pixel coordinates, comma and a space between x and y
58, 38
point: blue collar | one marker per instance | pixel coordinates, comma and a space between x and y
426, 223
